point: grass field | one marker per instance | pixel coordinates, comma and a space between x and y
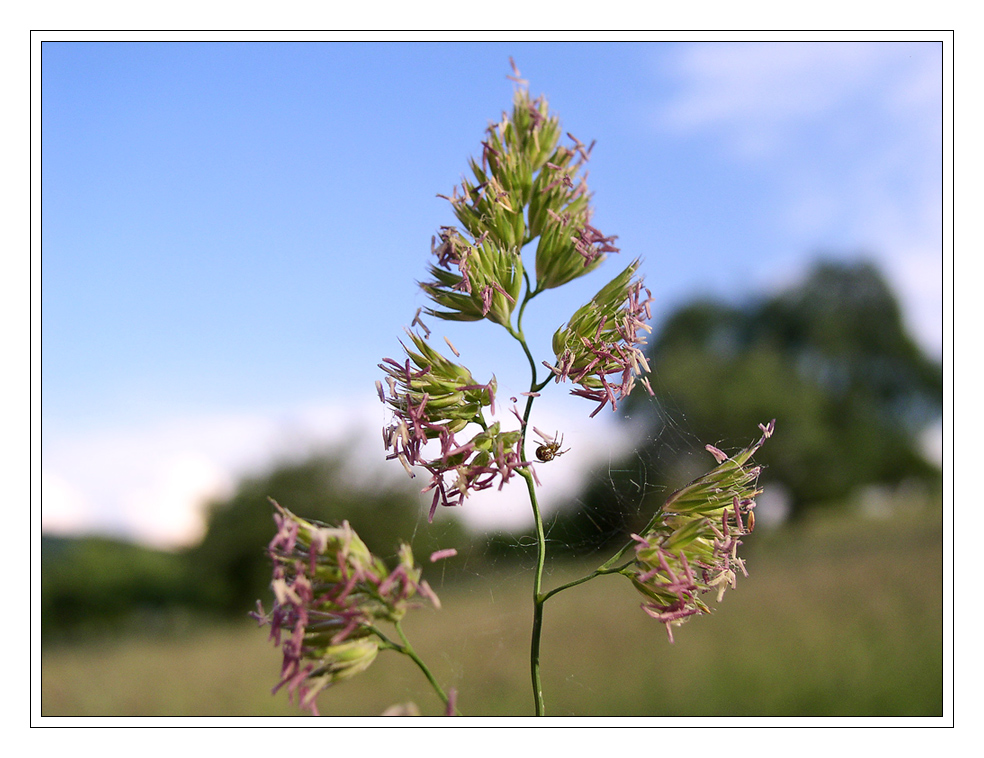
839, 617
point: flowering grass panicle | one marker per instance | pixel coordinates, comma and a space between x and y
600, 347
329, 591
433, 398
526, 187
472, 281
690, 547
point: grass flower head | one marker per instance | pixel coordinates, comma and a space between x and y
690, 547
329, 591
600, 348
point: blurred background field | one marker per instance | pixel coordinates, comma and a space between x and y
840, 616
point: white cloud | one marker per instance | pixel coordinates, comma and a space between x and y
168, 501
65, 509
149, 484
932, 443
758, 94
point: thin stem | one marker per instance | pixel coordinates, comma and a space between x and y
541, 542
597, 572
407, 649
538, 598
530, 294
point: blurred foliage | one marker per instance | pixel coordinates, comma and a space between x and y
829, 359
96, 585
91, 585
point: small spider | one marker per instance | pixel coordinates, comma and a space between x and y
550, 448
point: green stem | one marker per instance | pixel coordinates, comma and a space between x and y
541, 542
538, 597
606, 569
407, 649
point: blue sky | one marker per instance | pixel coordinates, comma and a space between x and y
232, 232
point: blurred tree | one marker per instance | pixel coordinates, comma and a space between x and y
97, 584
231, 559
829, 359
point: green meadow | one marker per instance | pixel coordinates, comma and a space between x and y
839, 616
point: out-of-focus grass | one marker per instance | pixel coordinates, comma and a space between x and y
839, 617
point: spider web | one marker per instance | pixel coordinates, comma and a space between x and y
617, 469
621, 464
